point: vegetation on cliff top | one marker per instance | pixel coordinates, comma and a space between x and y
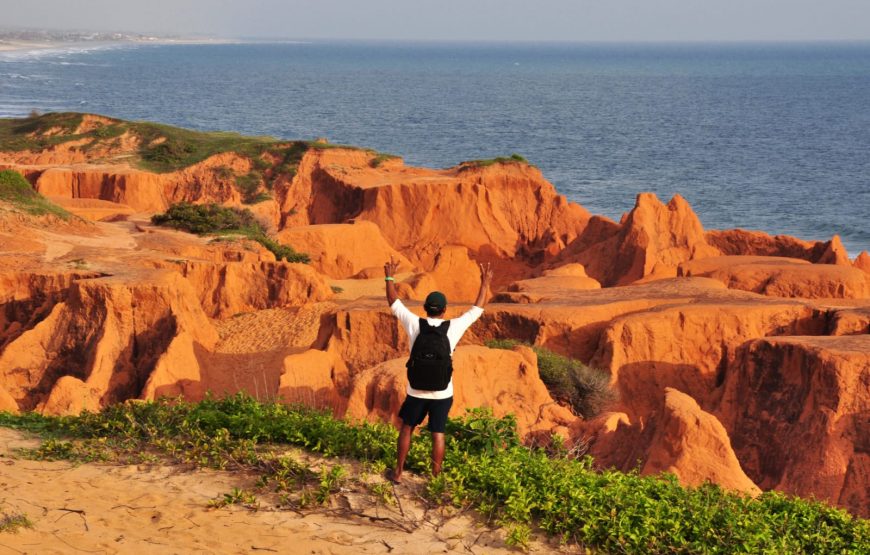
512, 159
213, 219
165, 148
519, 488
15, 190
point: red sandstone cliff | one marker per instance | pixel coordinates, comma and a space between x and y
732, 351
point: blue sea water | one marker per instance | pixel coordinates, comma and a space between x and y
774, 137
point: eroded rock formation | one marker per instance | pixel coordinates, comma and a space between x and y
739, 357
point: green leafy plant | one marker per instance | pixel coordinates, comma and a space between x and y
235, 497
383, 493
330, 482
519, 535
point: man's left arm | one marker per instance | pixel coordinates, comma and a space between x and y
389, 276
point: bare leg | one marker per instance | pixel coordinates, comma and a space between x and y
437, 452
404, 446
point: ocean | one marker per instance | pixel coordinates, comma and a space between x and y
773, 137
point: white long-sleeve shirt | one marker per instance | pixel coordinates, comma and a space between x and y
458, 327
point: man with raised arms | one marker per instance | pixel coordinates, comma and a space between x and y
430, 366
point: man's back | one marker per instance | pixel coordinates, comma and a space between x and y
458, 326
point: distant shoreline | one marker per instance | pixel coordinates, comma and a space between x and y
26, 45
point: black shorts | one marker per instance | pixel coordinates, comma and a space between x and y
414, 409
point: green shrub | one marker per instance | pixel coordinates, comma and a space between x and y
15, 190
283, 252
586, 390
205, 219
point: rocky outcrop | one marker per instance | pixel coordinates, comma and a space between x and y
138, 189
317, 379
687, 347
693, 445
796, 410
503, 211
739, 242
650, 242
782, 277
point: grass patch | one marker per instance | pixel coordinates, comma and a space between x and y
523, 489
213, 219
15, 190
586, 390
31, 133
162, 148
381, 158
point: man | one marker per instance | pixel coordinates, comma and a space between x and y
437, 397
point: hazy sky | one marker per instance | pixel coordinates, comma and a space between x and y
570, 20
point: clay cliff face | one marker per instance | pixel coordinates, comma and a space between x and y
738, 357
141, 190
796, 409
104, 337
508, 213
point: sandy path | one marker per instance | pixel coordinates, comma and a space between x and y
163, 509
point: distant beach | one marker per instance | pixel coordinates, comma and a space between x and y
26, 45
10, 45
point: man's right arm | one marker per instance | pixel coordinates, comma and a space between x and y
485, 279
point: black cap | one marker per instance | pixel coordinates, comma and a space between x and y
435, 302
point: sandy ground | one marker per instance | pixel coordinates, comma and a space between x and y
164, 509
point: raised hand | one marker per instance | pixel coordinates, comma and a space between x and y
486, 273
485, 279
390, 267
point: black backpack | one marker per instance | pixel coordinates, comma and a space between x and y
430, 366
